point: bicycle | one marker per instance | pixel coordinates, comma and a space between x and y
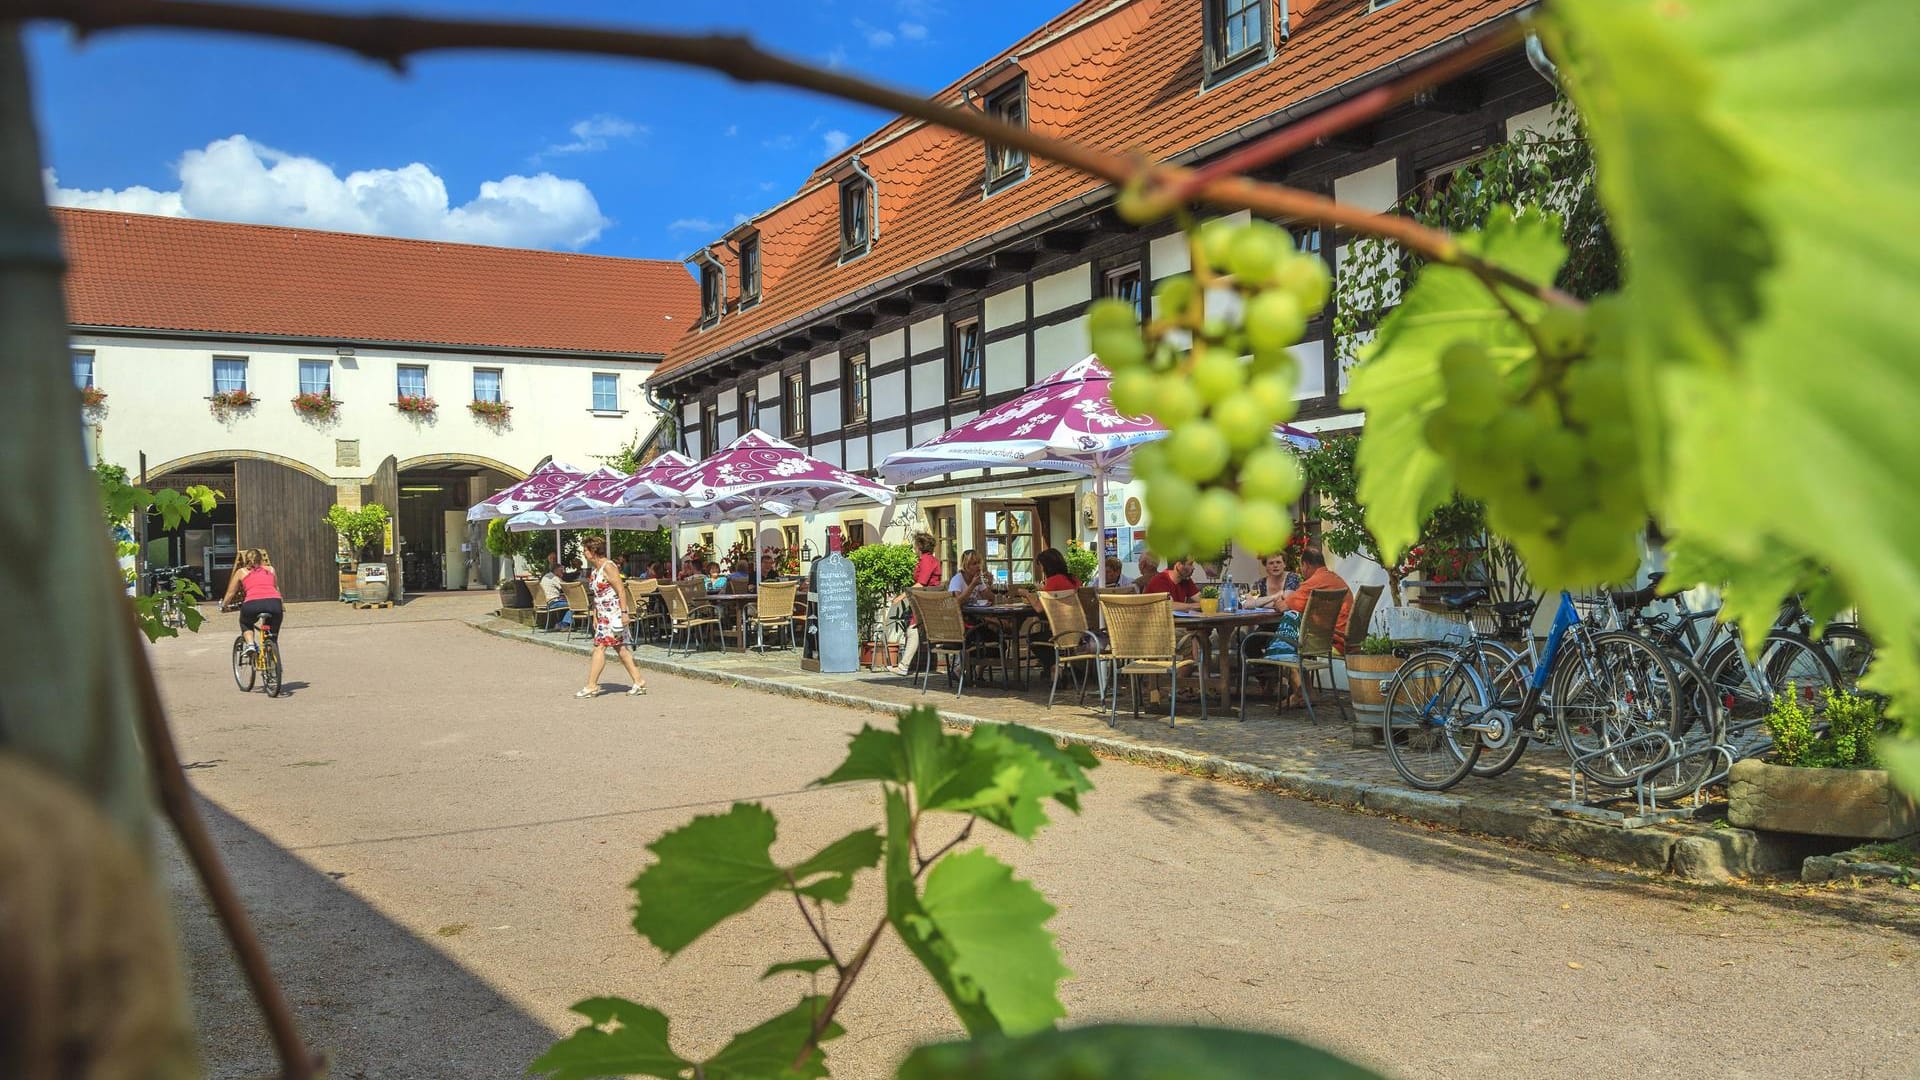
263, 663
170, 608
1614, 699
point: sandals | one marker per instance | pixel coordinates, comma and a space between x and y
588, 691
637, 690
902, 671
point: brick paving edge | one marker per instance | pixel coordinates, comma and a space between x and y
1720, 855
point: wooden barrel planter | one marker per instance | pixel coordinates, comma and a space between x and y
1367, 679
514, 593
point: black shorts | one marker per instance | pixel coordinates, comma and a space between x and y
256, 611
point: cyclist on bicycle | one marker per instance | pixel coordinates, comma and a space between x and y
259, 594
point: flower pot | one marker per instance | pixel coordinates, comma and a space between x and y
514, 593
1819, 802
1209, 605
1367, 679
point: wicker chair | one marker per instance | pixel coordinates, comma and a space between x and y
644, 617
773, 610
943, 629
687, 615
1361, 617
1141, 629
1073, 644
1315, 652
579, 606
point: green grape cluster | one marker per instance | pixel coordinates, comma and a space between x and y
1219, 376
1542, 435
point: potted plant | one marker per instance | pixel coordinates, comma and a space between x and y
321, 405
1209, 599
92, 399
1370, 667
1082, 563
880, 573
1822, 784
226, 403
419, 406
358, 530
505, 544
491, 412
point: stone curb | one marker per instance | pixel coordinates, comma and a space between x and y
1719, 856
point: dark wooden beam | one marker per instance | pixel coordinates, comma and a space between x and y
858, 320
897, 304
1456, 98
1018, 262
930, 293
823, 333
793, 343
1360, 138
970, 277
768, 353
1066, 241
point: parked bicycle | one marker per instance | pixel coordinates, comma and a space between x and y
171, 606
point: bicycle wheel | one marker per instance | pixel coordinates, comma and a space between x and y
1506, 691
242, 665
1746, 690
1609, 692
1701, 724
270, 665
1430, 700
1851, 651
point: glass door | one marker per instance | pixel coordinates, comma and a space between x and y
1007, 533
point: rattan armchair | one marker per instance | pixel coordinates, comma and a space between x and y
1360, 619
1143, 642
1073, 643
1315, 652
773, 610
579, 607
943, 629
686, 615
645, 616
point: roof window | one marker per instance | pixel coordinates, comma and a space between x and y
1238, 36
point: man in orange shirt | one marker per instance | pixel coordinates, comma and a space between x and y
1313, 564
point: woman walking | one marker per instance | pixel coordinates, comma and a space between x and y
608, 591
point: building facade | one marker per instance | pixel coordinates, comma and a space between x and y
336, 343
922, 276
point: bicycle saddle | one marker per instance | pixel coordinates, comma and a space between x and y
1511, 608
1461, 601
1635, 600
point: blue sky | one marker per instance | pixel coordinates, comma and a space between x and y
609, 157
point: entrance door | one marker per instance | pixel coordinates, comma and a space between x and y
1008, 532
942, 522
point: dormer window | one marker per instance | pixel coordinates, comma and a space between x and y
1238, 36
856, 216
713, 290
1006, 165
749, 270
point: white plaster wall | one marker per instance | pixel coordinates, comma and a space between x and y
1375, 188
727, 401
927, 334
1538, 121
856, 454
1312, 356
889, 395
1059, 345
1168, 255
729, 431
1006, 364
157, 393
1006, 308
769, 391
929, 384
1066, 288
824, 367
888, 442
924, 431
888, 347
826, 410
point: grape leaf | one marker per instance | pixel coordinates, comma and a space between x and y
714, 867
767, 1052
857, 850
872, 754
620, 1039
1067, 763
1397, 383
818, 963
1130, 1052
909, 919
996, 926
1784, 108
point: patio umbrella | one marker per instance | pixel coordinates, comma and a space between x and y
1065, 423
763, 472
542, 484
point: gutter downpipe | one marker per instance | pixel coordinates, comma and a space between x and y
1104, 192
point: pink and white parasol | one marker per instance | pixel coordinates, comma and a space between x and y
762, 476
544, 483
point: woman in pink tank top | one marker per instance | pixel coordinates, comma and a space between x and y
253, 582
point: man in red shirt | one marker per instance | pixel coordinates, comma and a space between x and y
1313, 565
1177, 582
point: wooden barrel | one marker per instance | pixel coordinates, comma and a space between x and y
1367, 679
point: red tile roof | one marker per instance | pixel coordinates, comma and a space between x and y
166, 273
1118, 76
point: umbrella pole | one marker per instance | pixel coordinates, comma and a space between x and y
1100, 529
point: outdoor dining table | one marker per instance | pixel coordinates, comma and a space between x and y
1008, 618
733, 605
1201, 627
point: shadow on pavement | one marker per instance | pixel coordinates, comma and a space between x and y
379, 1001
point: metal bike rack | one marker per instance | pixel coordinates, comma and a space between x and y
1645, 809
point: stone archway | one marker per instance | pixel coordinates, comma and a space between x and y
438, 548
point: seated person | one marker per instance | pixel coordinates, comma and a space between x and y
1318, 576
1177, 582
740, 578
1050, 570
768, 571
716, 581
1149, 565
1113, 576
549, 596
970, 583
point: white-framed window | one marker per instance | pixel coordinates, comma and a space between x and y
486, 384
713, 292
856, 207
229, 374
710, 426
411, 380
856, 392
316, 377
1124, 284
1007, 164
1237, 33
749, 410
967, 365
793, 416
82, 369
606, 391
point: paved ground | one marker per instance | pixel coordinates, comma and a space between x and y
436, 839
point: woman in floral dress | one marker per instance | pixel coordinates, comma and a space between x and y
607, 590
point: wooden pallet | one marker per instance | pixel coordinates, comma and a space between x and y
363, 605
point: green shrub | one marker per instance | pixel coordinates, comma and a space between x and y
1854, 723
357, 528
1376, 645
1082, 563
1210, 592
880, 571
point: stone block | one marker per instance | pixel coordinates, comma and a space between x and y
1426, 806
1726, 854
1819, 802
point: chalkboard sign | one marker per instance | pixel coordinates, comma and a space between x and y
838, 613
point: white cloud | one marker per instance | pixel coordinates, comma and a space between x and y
693, 224
836, 58
877, 37
913, 31
836, 141
237, 179
593, 134
732, 130
778, 142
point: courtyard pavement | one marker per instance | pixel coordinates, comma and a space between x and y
435, 838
